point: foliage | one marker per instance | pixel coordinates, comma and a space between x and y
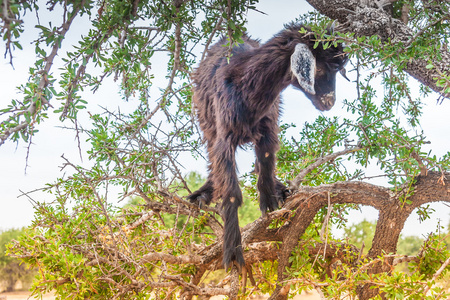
12, 269
159, 245
361, 233
409, 245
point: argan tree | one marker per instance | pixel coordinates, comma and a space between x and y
163, 247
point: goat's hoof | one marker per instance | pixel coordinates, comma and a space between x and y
283, 193
202, 199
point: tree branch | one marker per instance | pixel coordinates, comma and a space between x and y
294, 184
368, 21
33, 108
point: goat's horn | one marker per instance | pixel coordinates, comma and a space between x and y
343, 72
332, 26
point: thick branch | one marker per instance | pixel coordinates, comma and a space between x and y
367, 21
393, 213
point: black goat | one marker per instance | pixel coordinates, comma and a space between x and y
237, 102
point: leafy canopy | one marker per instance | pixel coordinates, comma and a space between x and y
85, 246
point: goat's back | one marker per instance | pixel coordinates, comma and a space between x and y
209, 80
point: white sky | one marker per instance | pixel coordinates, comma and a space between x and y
51, 142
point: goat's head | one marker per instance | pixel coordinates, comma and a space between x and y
314, 71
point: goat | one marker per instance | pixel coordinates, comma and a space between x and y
237, 102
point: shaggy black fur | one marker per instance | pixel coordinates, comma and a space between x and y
237, 102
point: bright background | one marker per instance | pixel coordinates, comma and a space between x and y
44, 157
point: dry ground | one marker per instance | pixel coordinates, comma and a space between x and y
24, 296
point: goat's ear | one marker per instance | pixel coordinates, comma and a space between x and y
303, 65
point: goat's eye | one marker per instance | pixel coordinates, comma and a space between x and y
333, 66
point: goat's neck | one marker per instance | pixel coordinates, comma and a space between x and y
267, 72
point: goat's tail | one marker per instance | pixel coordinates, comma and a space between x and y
232, 247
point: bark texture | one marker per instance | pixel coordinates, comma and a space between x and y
367, 19
297, 214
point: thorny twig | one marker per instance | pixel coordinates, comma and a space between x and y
41, 101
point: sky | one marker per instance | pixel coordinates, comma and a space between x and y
44, 157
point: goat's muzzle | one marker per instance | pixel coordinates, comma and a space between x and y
325, 102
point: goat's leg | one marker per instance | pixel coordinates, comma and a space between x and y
281, 191
204, 195
272, 192
226, 186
